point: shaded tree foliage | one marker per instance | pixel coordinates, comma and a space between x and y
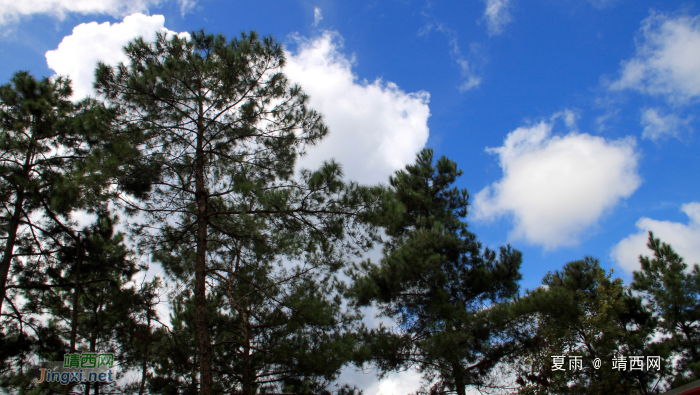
448, 295
88, 317
673, 295
581, 313
56, 157
49, 147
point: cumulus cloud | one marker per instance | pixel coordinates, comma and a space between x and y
556, 187
497, 15
13, 11
685, 239
667, 61
317, 16
656, 125
77, 54
375, 128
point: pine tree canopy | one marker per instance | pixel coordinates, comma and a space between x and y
35, 117
673, 293
437, 282
223, 128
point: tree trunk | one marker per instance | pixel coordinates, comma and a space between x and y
460, 385
12, 231
93, 346
144, 364
10, 246
246, 356
76, 302
200, 269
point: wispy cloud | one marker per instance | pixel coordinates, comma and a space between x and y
317, 16
497, 15
472, 81
13, 11
602, 120
467, 68
657, 125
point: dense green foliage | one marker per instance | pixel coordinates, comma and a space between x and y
447, 294
582, 312
672, 294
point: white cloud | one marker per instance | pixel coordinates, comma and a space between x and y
466, 68
685, 239
570, 117
186, 6
667, 61
13, 11
556, 187
657, 125
398, 383
472, 81
77, 55
601, 121
317, 16
375, 128
497, 15
394, 383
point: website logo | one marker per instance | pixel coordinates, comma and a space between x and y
79, 368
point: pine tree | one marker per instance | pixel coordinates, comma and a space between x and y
580, 315
56, 157
80, 287
35, 116
673, 295
45, 175
277, 327
141, 334
447, 294
224, 128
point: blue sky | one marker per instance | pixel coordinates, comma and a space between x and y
575, 121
